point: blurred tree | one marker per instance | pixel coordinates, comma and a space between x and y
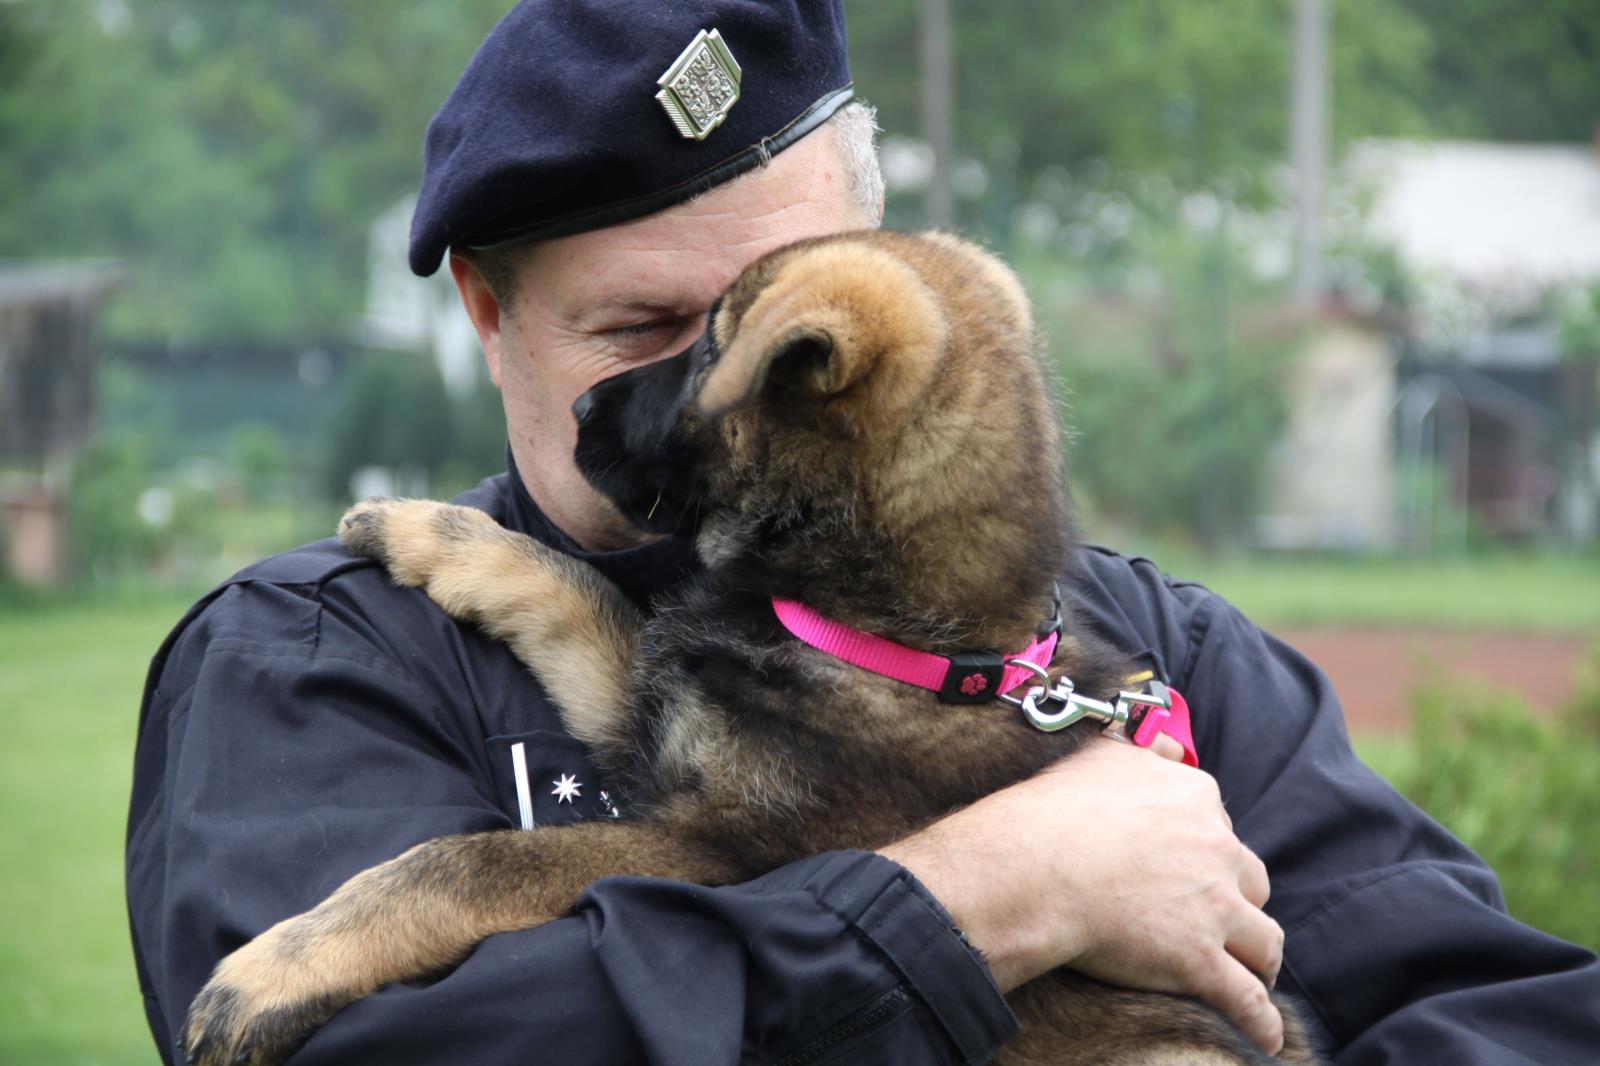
233, 153
1514, 71
1195, 92
103, 510
392, 411
1174, 399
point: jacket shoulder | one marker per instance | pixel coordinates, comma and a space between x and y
318, 595
1138, 607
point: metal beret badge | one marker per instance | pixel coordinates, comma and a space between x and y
701, 86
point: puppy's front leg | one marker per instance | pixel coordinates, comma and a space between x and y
410, 917
562, 619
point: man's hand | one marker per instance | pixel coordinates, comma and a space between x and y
1119, 865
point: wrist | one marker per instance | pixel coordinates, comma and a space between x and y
976, 877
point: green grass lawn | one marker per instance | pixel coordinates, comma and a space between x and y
1502, 592
70, 679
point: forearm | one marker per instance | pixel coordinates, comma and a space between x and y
956, 858
837, 950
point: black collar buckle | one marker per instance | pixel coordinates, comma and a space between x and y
973, 677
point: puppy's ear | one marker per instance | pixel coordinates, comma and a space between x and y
820, 322
799, 360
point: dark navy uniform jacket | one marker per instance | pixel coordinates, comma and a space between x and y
308, 720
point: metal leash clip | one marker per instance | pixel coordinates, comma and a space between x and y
1130, 707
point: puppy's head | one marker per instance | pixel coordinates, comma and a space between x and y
868, 395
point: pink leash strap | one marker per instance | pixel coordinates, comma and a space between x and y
882, 656
1174, 722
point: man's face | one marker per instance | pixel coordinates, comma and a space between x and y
592, 305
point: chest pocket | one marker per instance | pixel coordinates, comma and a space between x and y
546, 778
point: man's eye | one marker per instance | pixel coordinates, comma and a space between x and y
640, 330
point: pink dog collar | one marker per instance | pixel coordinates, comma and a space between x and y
970, 677
974, 677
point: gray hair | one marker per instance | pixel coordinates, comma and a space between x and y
855, 132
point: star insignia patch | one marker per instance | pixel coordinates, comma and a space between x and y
566, 788
701, 86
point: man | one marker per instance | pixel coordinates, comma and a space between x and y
308, 720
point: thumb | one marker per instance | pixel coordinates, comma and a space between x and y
1167, 748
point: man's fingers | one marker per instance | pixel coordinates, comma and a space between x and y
1253, 882
1239, 994
1258, 943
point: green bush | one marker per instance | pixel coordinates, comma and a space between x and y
107, 536
1178, 451
260, 459
113, 480
1523, 791
393, 411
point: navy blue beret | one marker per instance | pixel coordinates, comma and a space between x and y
577, 114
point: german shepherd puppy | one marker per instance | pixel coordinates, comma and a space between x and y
864, 428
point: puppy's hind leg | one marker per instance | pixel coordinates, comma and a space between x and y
562, 619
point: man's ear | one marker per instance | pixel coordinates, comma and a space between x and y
482, 307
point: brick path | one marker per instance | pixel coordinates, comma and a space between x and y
1375, 670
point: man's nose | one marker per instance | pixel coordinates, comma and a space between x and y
583, 407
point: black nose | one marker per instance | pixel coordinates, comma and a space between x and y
583, 407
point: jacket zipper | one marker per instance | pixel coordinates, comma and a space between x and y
868, 1018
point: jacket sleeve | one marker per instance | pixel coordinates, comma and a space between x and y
281, 752
1397, 937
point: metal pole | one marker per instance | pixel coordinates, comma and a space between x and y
1308, 146
938, 109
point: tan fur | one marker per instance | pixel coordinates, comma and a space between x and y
863, 299
1001, 283
885, 389
912, 298
377, 925
573, 630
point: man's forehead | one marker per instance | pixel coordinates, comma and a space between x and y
678, 260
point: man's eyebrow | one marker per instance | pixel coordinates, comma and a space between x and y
632, 302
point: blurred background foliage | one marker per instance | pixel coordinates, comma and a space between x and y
238, 158
235, 156
239, 151
236, 151
1523, 790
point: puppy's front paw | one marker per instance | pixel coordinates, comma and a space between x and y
361, 528
258, 1008
411, 538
